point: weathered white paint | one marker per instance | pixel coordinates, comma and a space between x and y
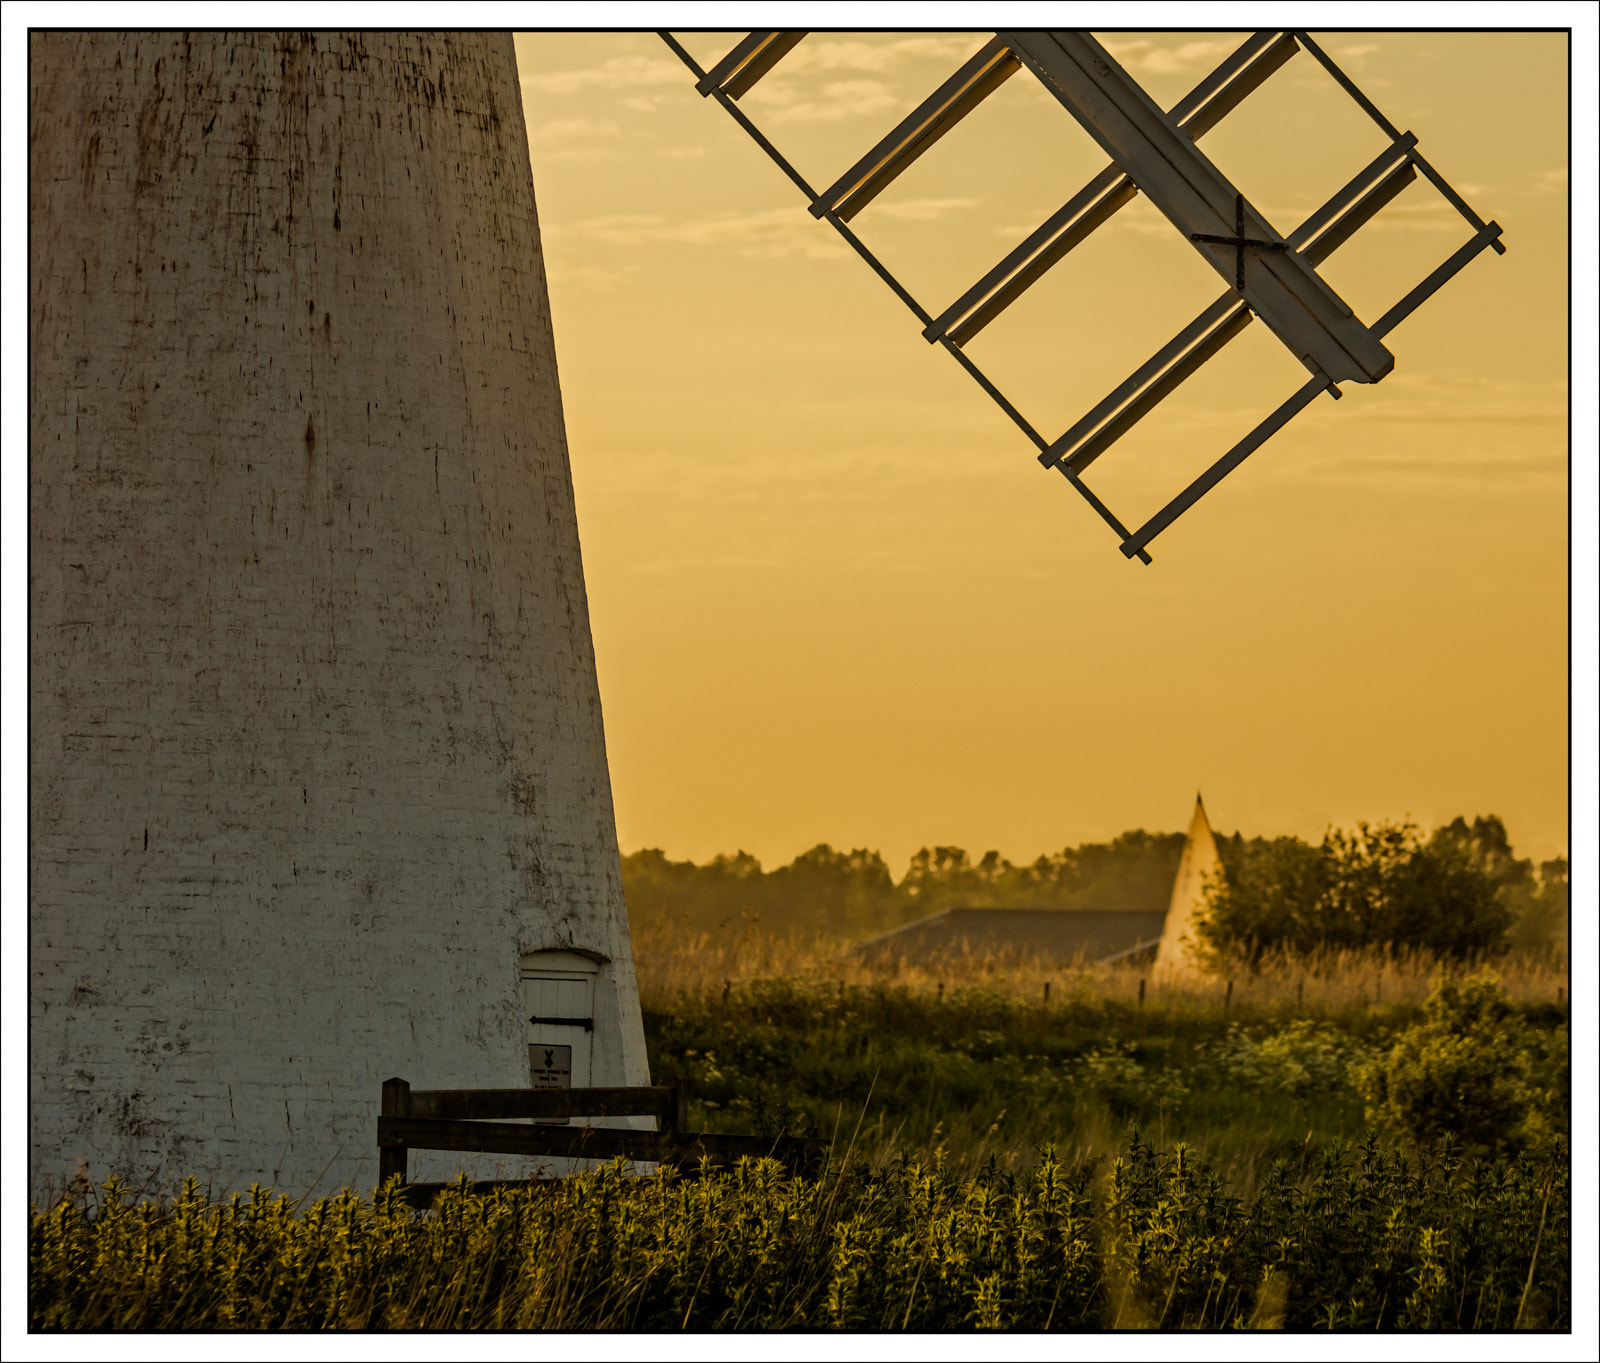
316, 744
1177, 956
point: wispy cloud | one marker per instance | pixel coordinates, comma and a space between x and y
924, 210
1425, 216
1551, 181
587, 278
566, 129
850, 54
637, 72
1144, 57
620, 73
572, 139
839, 99
769, 234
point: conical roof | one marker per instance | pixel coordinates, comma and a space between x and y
1197, 869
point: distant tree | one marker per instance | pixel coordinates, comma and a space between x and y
1379, 885
1544, 913
1134, 871
660, 892
1269, 897
1538, 902
832, 892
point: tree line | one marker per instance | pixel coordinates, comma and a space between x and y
1459, 891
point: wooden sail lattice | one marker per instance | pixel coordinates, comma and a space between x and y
1154, 152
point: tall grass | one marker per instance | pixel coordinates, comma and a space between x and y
1324, 983
1370, 1240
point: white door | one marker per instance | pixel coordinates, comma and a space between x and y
558, 1004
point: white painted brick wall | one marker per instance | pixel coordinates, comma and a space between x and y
316, 745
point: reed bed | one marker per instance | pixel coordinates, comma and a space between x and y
1323, 983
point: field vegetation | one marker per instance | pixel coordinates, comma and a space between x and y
1325, 1132
999, 1161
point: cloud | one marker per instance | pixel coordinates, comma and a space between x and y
566, 129
579, 279
924, 210
849, 54
840, 99
620, 73
1356, 51
769, 234
572, 139
785, 101
1143, 57
1435, 216
1551, 181
1454, 469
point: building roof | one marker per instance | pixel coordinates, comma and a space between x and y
1063, 934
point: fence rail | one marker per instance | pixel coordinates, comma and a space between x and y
480, 1121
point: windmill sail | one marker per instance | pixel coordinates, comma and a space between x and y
1154, 153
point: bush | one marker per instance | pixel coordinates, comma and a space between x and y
1302, 1057
1377, 886
1474, 1070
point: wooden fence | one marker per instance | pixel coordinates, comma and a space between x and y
480, 1121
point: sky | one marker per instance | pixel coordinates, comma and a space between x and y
836, 599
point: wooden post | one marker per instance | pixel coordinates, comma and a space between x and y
1300, 994
1047, 993
1141, 993
727, 988
677, 1116
396, 1103
1227, 1001
940, 998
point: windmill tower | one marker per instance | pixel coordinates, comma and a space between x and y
318, 785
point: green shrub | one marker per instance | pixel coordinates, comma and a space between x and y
1115, 1073
1301, 1057
1379, 885
1472, 1069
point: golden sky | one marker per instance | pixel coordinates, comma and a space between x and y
834, 596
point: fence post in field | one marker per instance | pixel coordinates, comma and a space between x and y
1227, 1001
396, 1103
1141, 992
1047, 993
1300, 994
